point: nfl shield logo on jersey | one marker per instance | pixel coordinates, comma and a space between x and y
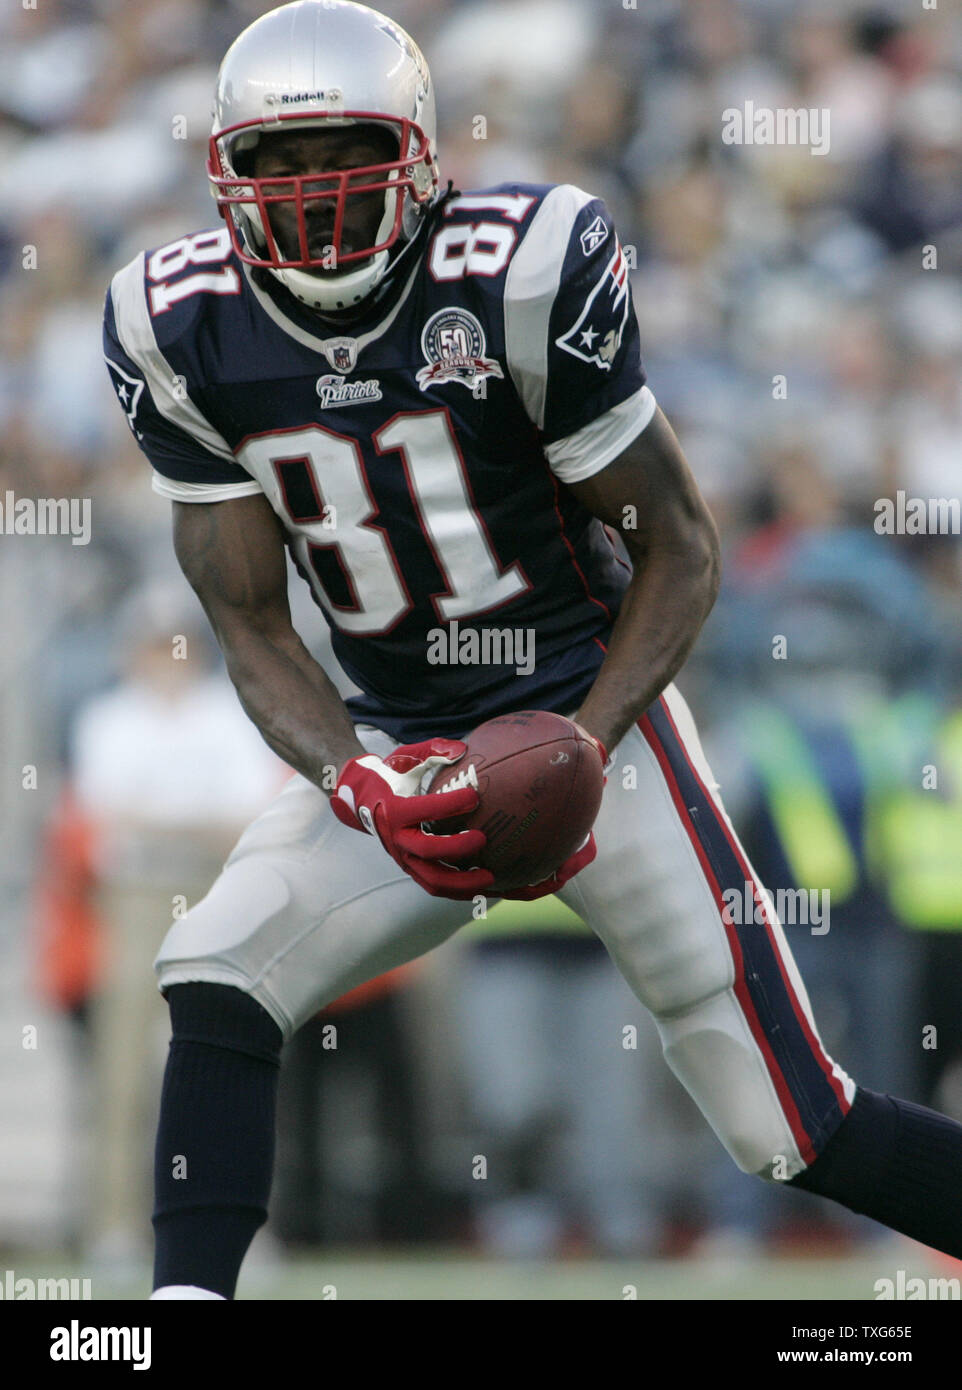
341, 353
453, 343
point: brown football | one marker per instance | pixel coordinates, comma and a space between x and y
540, 781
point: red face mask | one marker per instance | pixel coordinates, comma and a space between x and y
298, 197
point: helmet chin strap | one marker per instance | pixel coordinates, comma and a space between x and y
397, 266
331, 292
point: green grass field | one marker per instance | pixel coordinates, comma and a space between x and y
442, 1275
445, 1278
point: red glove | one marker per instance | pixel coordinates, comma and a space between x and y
579, 860
383, 797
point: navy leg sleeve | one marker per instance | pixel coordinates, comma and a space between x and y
215, 1139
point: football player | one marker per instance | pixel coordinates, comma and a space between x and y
435, 401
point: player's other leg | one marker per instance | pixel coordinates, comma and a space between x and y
667, 894
304, 910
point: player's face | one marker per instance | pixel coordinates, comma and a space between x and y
283, 155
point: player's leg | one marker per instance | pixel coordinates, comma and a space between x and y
734, 1018
304, 910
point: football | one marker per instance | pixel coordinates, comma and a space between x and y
540, 781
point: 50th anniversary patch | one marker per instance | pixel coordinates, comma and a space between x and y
454, 346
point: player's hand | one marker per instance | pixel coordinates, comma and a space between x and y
383, 797
579, 860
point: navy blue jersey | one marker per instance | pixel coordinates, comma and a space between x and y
419, 465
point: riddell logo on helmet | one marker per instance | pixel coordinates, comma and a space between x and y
293, 98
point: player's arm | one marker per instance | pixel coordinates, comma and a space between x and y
649, 496
231, 547
233, 555
573, 349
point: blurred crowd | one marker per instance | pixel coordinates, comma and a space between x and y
801, 323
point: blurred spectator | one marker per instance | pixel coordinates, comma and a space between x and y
915, 830
354, 1163
167, 771
805, 786
555, 1051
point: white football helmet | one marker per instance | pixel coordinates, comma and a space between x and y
313, 65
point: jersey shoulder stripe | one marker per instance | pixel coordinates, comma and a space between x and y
135, 332
571, 339
531, 285
190, 458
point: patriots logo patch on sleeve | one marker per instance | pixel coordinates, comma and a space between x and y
596, 334
129, 390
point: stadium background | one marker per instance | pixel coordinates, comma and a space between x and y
753, 263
